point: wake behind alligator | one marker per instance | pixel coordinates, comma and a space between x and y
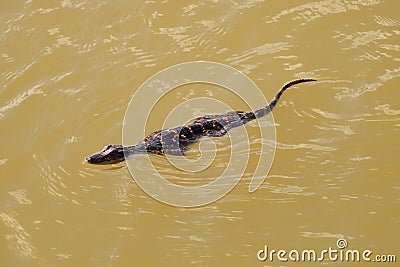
175, 141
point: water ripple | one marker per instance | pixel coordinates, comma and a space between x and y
242, 58
319, 9
17, 236
305, 146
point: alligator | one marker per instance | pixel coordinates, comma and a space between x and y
175, 141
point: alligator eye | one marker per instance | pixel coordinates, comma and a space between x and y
107, 147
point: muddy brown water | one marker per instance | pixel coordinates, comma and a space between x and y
69, 69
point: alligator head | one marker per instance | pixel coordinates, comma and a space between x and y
109, 155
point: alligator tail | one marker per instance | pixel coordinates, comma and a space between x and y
267, 109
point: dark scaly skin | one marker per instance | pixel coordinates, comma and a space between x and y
175, 141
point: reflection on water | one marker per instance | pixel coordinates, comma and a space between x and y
69, 68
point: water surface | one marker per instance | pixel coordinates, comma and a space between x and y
69, 68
